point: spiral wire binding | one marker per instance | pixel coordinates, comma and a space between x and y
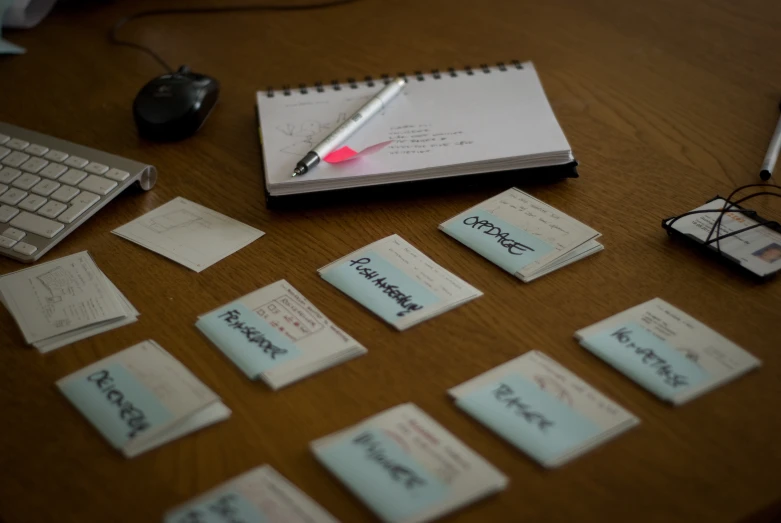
732, 206
385, 79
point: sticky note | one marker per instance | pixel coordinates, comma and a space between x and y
117, 403
225, 507
347, 153
530, 418
380, 286
647, 359
504, 244
382, 474
248, 340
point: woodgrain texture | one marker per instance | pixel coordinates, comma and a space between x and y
665, 102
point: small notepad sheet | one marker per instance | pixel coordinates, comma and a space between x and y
188, 233
277, 335
397, 282
64, 301
523, 235
542, 408
141, 398
757, 249
406, 467
261, 495
665, 350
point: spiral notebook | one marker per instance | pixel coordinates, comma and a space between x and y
443, 125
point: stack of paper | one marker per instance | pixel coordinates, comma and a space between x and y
523, 235
141, 398
277, 335
406, 467
397, 282
542, 408
261, 495
665, 350
188, 233
64, 301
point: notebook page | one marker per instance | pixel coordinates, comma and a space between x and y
450, 121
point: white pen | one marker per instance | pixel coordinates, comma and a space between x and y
355, 122
772, 152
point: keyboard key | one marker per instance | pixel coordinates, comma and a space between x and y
26, 181
56, 156
75, 161
4, 138
4, 151
14, 234
12, 196
15, 159
80, 204
96, 168
33, 165
97, 184
45, 187
25, 248
8, 174
73, 176
32, 203
65, 193
52, 209
53, 171
36, 150
3, 188
6, 213
16, 143
117, 175
7, 242
36, 225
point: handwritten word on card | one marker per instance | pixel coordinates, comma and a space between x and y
247, 339
226, 507
504, 244
645, 358
529, 417
378, 470
380, 286
117, 403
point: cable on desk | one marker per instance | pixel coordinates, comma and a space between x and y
114, 38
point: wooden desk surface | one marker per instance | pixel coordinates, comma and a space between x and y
666, 103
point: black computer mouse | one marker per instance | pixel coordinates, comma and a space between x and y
174, 106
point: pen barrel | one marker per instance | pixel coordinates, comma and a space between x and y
356, 121
773, 150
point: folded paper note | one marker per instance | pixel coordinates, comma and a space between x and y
277, 335
397, 282
666, 351
141, 398
261, 495
406, 467
542, 408
523, 235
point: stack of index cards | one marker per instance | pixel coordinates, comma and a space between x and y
523, 235
261, 495
141, 398
406, 467
64, 301
277, 335
542, 408
663, 349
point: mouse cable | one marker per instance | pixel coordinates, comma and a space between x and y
114, 38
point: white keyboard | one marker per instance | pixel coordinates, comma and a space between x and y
48, 187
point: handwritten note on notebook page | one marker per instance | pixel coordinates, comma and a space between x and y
446, 126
